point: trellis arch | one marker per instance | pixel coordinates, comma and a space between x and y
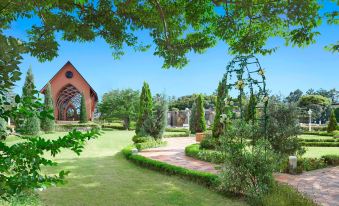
246, 75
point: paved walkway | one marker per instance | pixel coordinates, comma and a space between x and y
320, 185
174, 153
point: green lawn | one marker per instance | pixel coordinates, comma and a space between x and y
102, 176
320, 151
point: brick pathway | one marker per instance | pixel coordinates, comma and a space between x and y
320, 185
174, 153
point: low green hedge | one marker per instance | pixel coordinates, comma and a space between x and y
320, 140
309, 164
318, 133
150, 144
176, 134
321, 144
207, 179
176, 130
77, 126
204, 155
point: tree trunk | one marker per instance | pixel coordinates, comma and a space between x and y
126, 123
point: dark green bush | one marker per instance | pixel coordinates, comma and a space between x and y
113, 126
3, 129
204, 155
332, 124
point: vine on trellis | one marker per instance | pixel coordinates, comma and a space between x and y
245, 74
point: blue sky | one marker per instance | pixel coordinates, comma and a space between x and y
286, 70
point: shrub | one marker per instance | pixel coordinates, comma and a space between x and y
31, 125
83, 110
151, 143
332, 125
249, 173
250, 112
318, 133
48, 123
282, 128
209, 142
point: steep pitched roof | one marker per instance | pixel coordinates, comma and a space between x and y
69, 63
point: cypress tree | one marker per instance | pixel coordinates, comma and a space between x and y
200, 122
31, 124
83, 111
47, 123
145, 108
332, 124
222, 92
251, 111
192, 118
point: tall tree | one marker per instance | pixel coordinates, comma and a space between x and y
83, 110
222, 93
332, 123
31, 123
294, 96
200, 122
155, 124
145, 107
121, 104
319, 105
48, 123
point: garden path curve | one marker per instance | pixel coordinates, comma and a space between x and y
320, 185
174, 153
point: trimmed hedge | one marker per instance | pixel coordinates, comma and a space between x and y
150, 144
176, 130
78, 126
319, 140
309, 164
207, 179
318, 133
204, 155
321, 144
182, 134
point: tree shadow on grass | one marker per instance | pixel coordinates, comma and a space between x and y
113, 180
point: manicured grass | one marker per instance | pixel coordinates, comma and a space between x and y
102, 176
320, 151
